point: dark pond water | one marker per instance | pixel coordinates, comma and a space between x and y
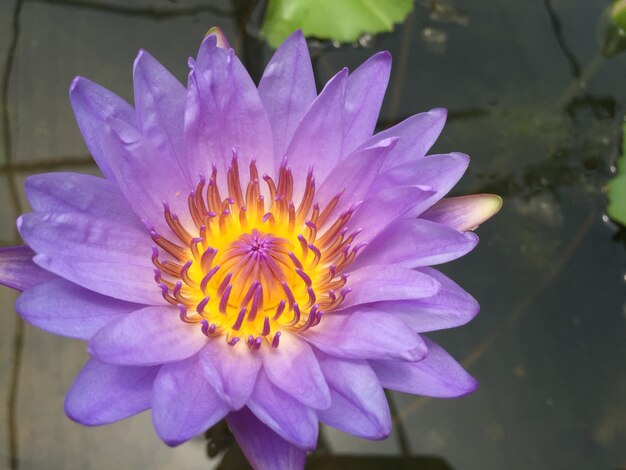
534, 105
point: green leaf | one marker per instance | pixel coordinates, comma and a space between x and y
618, 13
338, 20
616, 189
614, 23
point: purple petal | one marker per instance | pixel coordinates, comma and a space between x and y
102, 255
437, 172
92, 105
287, 89
183, 403
232, 371
146, 176
104, 393
263, 448
318, 140
160, 106
464, 212
63, 308
381, 208
18, 271
293, 368
365, 334
74, 192
364, 97
127, 282
289, 418
85, 236
376, 283
451, 306
359, 405
224, 112
353, 177
152, 335
437, 375
412, 243
417, 135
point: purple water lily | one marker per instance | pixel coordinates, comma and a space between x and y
254, 254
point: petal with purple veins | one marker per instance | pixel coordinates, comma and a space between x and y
224, 112
293, 368
359, 405
451, 306
412, 243
64, 308
146, 176
160, 106
183, 402
102, 255
287, 89
105, 393
365, 334
232, 371
437, 375
380, 209
18, 270
263, 448
93, 105
74, 192
375, 283
364, 97
353, 176
318, 140
288, 417
417, 135
437, 172
152, 335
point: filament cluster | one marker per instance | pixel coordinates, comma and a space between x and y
252, 266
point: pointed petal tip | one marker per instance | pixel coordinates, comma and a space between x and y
383, 59
384, 55
341, 76
221, 40
296, 35
142, 56
460, 156
74, 84
439, 112
78, 84
486, 206
468, 388
464, 213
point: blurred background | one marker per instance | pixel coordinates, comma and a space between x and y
536, 92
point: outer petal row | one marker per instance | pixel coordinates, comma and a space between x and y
437, 375
413, 243
451, 306
18, 271
89, 251
64, 308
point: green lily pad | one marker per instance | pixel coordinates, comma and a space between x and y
615, 29
337, 20
616, 189
618, 13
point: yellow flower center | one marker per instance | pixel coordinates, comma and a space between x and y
252, 268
